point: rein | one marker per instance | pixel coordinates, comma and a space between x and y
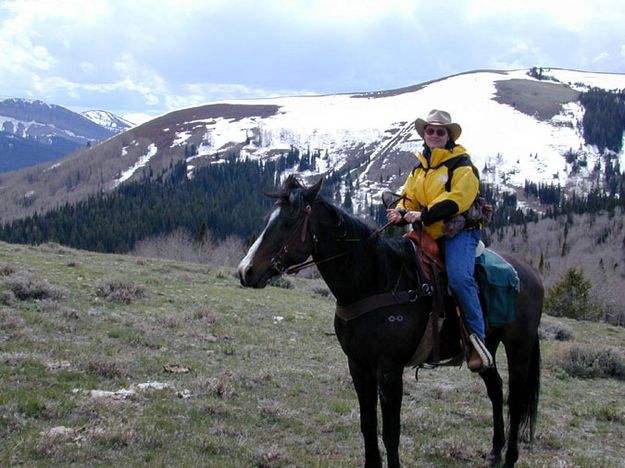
428, 286
302, 266
276, 260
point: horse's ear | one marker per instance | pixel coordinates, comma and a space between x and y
270, 193
295, 197
312, 192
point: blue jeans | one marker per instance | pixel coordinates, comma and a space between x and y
460, 263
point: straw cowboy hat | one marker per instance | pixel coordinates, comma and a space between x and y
442, 119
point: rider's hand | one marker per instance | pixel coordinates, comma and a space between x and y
393, 216
412, 216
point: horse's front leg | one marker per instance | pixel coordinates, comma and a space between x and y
390, 382
366, 388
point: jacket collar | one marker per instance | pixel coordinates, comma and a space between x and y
439, 156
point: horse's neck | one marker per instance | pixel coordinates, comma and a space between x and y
352, 273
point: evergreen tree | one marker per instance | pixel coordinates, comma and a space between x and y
604, 118
570, 297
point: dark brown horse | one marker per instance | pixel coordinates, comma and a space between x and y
356, 264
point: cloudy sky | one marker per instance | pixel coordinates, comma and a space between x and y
138, 57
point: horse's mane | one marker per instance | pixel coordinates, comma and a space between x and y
382, 252
353, 230
291, 183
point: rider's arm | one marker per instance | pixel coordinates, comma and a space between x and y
464, 188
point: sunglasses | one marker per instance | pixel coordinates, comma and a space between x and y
441, 132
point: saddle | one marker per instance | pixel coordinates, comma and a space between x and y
498, 285
454, 345
428, 253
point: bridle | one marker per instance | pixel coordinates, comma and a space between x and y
277, 261
303, 229
351, 311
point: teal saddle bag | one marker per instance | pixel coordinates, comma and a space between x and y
499, 284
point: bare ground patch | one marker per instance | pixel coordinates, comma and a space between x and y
540, 99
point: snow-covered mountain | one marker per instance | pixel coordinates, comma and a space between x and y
108, 120
33, 131
40, 120
515, 126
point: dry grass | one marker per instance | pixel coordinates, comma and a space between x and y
594, 245
200, 372
6, 270
120, 291
591, 361
553, 330
26, 287
542, 99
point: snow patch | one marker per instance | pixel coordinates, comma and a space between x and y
143, 160
181, 138
125, 393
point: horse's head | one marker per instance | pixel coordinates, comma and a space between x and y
286, 239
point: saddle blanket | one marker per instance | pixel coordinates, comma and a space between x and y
499, 284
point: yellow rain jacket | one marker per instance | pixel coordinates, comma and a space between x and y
429, 190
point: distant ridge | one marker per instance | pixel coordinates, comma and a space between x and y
108, 120
32, 131
518, 125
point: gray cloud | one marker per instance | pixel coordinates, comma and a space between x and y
152, 57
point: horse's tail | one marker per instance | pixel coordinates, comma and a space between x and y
529, 411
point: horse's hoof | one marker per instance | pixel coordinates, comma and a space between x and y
494, 459
511, 459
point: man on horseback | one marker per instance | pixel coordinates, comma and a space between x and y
443, 185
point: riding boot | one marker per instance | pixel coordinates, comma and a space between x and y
479, 359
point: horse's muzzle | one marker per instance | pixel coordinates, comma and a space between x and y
251, 279
243, 272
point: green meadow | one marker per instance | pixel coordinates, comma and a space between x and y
129, 361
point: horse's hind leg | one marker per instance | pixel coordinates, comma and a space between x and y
366, 389
493, 382
516, 384
391, 392
524, 386
494, 388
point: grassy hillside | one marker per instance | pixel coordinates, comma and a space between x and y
119, 360
593, 243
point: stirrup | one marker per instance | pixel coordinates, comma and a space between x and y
480, 347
